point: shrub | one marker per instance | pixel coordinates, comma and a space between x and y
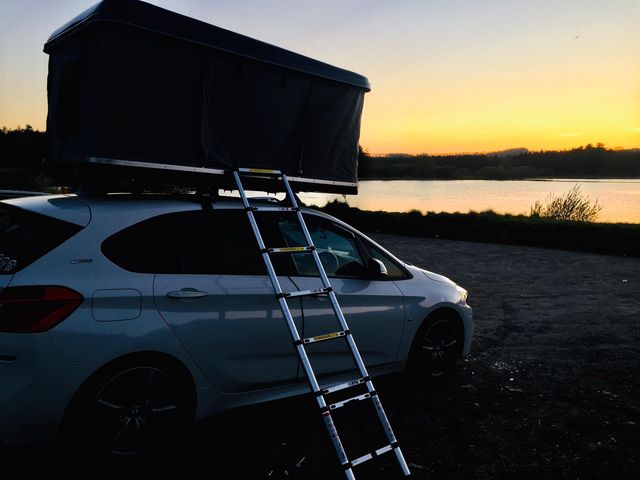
609, 238
572, 205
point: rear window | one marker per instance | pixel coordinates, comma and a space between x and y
26, 236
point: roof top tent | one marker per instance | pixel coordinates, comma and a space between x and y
136, 91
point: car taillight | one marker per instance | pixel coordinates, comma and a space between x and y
36, 309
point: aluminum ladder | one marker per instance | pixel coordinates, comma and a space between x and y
299, 343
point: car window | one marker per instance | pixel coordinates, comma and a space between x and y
26, 236
150, 246
394, 272
337, 249
197, 242
220, 242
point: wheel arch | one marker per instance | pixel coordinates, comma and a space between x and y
447, 312
148, 357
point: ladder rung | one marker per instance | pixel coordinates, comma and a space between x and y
262, 171
342, 386
274, 209
369, 456
305, 293
289, 249
357, 398
326, 336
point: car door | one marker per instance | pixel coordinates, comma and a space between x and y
373, 308
212, 289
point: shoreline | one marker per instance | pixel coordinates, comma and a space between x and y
523, 179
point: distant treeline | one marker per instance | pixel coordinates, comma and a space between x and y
589, 161
23, 150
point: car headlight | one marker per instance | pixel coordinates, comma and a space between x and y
463, 294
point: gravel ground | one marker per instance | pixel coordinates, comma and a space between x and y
552, 385
551, 389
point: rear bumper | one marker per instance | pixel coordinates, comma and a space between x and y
36, 386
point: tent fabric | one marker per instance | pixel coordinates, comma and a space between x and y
131, 81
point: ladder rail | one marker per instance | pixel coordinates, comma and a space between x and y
295, 335
355, 352
326, 284
298, 342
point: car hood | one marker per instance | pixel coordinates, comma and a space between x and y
437, 278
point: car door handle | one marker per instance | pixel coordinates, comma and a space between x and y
186, 293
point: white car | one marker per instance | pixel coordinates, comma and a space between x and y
123, 317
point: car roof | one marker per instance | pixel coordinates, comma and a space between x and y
68, 208
80, 209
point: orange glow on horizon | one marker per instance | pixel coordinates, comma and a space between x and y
507, 110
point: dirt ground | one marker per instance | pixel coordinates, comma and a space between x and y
550, 390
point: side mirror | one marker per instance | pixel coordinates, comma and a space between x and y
376, 268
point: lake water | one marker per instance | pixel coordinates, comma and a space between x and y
619, 197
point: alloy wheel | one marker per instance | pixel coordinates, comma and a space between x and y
439, 348
133, 410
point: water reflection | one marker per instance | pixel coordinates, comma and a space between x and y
620, 197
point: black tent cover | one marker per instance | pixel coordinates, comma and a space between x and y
133, 85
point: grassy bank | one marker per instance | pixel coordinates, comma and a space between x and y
607, 238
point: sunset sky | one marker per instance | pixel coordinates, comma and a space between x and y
447, 75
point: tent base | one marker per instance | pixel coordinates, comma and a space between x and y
111, 175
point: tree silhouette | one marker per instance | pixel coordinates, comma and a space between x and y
588, 161
22, 152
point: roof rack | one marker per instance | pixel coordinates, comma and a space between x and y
107, 175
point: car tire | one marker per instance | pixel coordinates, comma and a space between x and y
436, 348
130, 409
